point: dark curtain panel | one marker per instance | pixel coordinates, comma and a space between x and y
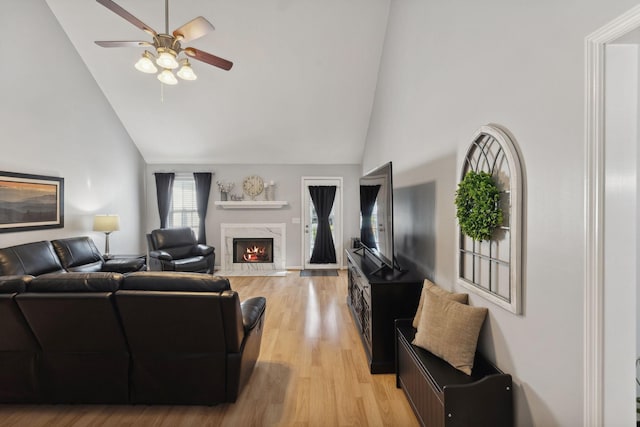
203, 187
164, 190
324, 251
368, 194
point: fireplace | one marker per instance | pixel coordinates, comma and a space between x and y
252, 250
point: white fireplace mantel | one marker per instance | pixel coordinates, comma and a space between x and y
252, 204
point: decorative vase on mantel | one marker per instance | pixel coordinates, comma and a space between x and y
223, 196
270, 191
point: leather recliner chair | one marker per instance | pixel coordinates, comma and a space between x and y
192, 341
176, 249
84, 356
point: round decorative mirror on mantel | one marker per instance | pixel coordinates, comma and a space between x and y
489, 263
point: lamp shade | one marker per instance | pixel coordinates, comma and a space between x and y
186, 72
167, 59
106, 223
145, 64
167, 78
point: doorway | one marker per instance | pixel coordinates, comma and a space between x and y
611, 214
620, 218
311, 224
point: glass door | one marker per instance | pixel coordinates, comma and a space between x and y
310, 222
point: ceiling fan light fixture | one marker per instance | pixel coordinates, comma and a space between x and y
167, 46
167, 59
167, 77
145, 64
186, 72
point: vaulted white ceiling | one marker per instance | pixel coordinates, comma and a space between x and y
300, 91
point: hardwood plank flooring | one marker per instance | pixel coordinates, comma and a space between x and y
312, 371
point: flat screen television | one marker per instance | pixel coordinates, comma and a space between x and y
376, 214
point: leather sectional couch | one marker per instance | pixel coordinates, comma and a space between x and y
142, 337
77, 254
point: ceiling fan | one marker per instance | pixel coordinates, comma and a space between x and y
167, 46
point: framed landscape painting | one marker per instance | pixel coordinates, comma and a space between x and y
30, 202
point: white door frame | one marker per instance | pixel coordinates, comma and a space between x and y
339, 240
593, 372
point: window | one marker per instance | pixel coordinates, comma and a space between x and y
183, 211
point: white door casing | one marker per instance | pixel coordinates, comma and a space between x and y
594, 208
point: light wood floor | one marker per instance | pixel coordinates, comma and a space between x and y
312, 371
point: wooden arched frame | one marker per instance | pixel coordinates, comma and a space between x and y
492, 268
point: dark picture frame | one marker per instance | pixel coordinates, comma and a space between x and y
30, 202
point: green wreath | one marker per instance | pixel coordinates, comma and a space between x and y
477, 203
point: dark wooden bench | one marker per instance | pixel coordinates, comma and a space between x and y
441, 395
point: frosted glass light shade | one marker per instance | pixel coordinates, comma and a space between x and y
145, 64
167, 60
186, 72
106, 223
167, 77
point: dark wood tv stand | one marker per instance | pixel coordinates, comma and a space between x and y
376, 297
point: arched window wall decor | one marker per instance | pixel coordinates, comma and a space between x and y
492, 268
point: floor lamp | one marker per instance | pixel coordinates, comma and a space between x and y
107, 224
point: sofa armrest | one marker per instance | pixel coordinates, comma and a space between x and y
202, 250
123, 265
240, 365
252, 310
165, 256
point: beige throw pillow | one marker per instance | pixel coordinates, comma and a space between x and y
450, 330
429, 286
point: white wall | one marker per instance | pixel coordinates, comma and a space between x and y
55, 121
288, 179
450, 67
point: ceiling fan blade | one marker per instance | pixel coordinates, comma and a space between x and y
123, 43
112, 6
208, 58
194, 29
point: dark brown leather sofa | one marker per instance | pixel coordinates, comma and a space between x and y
143, 337
73, 254
19, 350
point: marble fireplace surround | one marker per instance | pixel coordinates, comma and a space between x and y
229, 231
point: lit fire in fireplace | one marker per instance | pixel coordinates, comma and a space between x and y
255, 254
252, 250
